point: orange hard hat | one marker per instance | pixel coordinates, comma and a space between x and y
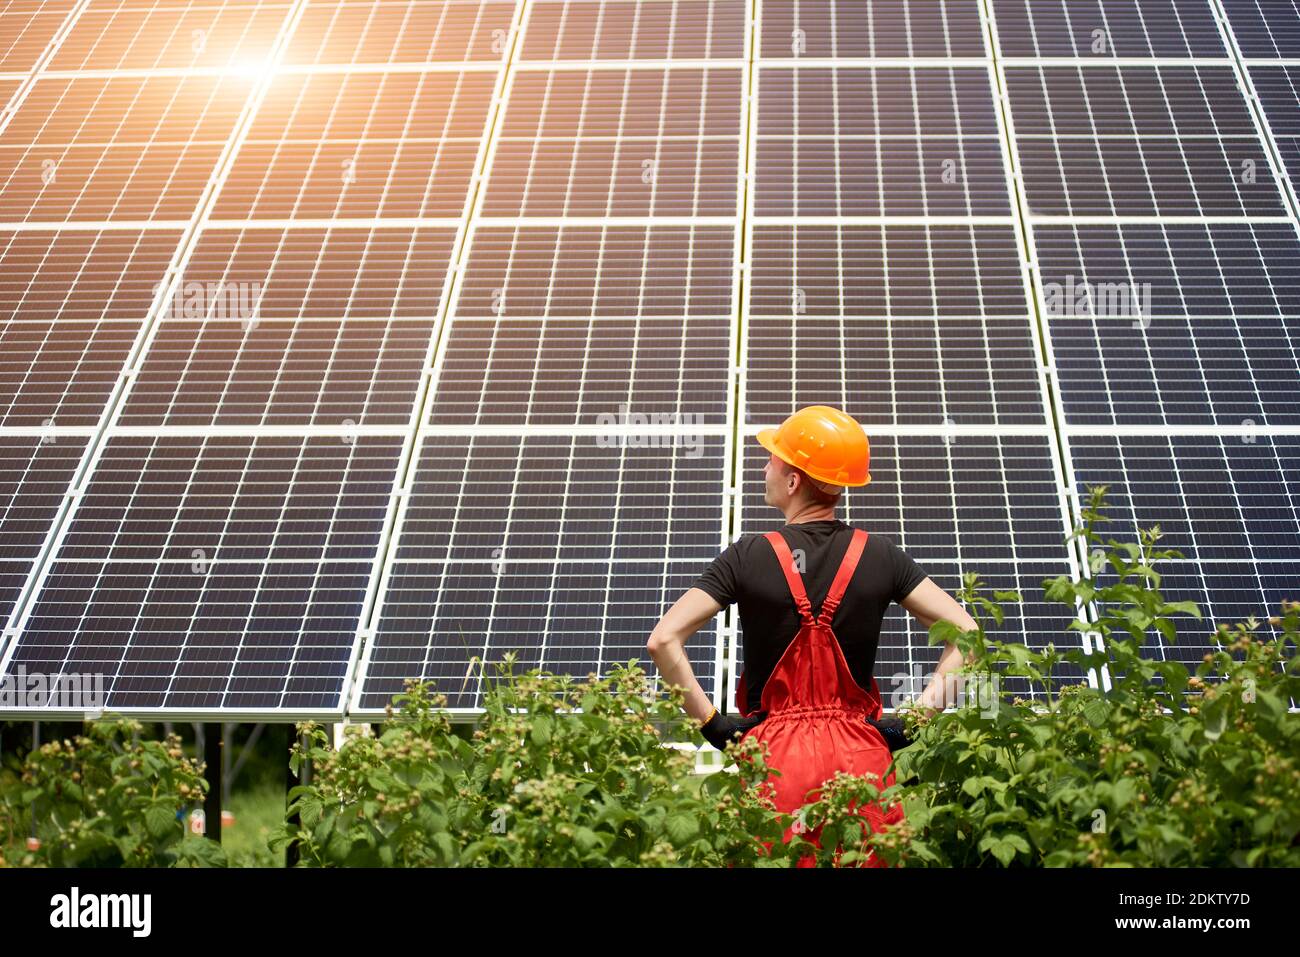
826, 443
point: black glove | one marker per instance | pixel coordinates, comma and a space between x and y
720, 728
892, 731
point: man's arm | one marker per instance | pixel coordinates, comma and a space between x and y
928, 603
684, 619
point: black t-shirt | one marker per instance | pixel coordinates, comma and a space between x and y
748, 573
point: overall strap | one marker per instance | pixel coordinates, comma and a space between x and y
786, 561
842, 577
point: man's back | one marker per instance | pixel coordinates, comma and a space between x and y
747, 573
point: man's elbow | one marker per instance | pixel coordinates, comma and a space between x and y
659, 640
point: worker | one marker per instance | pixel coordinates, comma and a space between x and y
811, 597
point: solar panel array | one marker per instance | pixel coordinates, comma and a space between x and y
351, 341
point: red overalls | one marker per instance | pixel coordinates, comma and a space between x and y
816, 712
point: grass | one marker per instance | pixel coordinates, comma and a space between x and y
256, 811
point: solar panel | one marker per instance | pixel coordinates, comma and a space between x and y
35, 475
360, 146
866, 142
1229, 503
571, 618
1133, 141
144, 35
599, 271
26, 29
350, 341
896, 28
553, 371
618, 143
344, 32
923, 325
1279, 97
565, 548
1210, 337
631, 30
121, 147
1265, 28
71, 305
207, 573
1175, 29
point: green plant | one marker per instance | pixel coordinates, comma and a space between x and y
109, 799
1164, 769
557, 773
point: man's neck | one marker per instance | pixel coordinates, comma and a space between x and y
809, 512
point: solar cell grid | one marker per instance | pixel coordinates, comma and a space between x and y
314, 273
573, 618
35, 474
116, 148
867, 142
60, 373
886, 270
271, 638
893, 28
1229, 503
1265, 29
563, 370
81, 275
361, 145
1209, 334
26, 29
1139, 141
1279, 96
565, 498
135, 35
224, 498
632, 30
895, 371
599, 271
1108, 28
400, 31
92, 111
618, 143
279, 373
1215, 498
1128, 101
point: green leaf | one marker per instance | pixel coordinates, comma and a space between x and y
541, 731
310, 809
586, 839
1096, 712
159, 820
681, 828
